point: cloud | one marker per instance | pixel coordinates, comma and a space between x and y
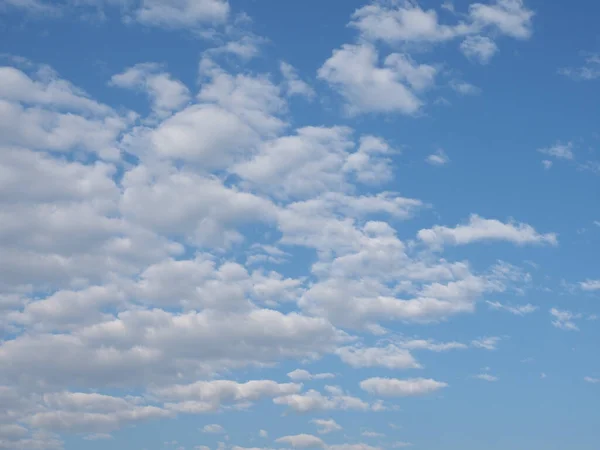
520, 310
166, 93
559, 151
302, 441
592, 380
486, 377
589, 71
487, 343
394, 387
464, 88
263, 434
479, 48
372, 434
510, 17
565, 320
301, 375
480, 229
213, 429
547, 164
590, 285
390, 357
326, 426
439, 158
422, 344
406, 22
182, 13
292, 82
315, 401
368, 87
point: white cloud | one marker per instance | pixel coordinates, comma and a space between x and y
480, 229
406, 22
559, 151
422, 344
487, 343
510, 17
213, 429
590, 285
590, 70
302, 441
486, 377
372, 434
182, 13
479, 48
355, 72
326, 426
519, 310
439, 158
565, 320
547, 164
394, 387
592, 380
166, 93
303, 375
263, 434
46, 88
390, 357
292, 82
464, 88
315, 401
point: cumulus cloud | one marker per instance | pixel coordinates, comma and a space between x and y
479, 48
559, 151
315, 401
407, 22
367, 86
326, 425
394, 387
302, 375
519, 310
565, 320
480, 229
439, 158
590, 70
166, 93
302, 441
590, 285
390, 357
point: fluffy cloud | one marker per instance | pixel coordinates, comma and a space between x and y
166, 93
301, 441
520, 310
393, 387
590, 70
559, 151
590, 285
326, 425
355, 72
315, 401
565, 320
182, 13
486, 377
390, 357
213, 429
480, 229
292, 82
303, 375
479, 48
439, 158
407, 22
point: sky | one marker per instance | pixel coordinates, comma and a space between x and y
335, 225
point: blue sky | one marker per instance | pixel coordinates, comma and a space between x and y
343, 225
